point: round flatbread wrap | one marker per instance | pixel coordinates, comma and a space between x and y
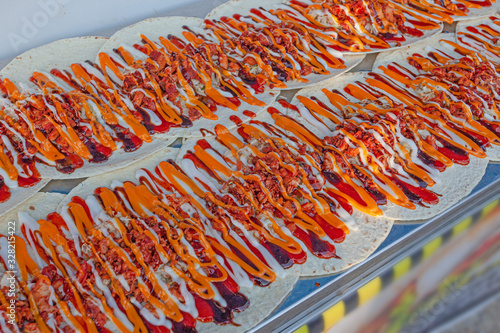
450, 190
243, 7
261, 305
61, 55
438, 42
153, 29
366, 235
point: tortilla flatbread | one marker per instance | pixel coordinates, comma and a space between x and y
261, 305
357, 246
61, 54
401, 57
154, 28
243, 7
452, 191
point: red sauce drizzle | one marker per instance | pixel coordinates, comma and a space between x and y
249, 114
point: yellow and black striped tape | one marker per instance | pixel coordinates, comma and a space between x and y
371, 289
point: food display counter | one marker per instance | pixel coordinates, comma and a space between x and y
381, 283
